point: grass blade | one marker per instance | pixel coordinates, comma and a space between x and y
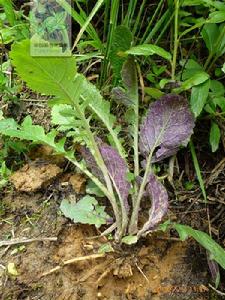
197, 169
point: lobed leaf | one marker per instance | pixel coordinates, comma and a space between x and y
159, 198
85, 211
168, 125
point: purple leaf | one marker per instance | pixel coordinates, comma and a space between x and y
116, 167
91, 163
159, 197
118, 171
168, 125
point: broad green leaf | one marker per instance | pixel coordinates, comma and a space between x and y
121, 41
216, 17
199, 95
148, 49
195, 80
210, 34
129, 239
214, 137
217, 253
191, 67
57, 76
85, 211
48, 75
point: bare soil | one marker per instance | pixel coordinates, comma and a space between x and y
157, 268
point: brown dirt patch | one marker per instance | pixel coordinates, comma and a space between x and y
156, 268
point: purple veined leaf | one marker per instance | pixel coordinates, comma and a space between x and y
116, 167
168, 125
118, 171
91, 163
159, 198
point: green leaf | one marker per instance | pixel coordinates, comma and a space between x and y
9, 11
217, 88
214, 137
105, 248
101, 108
129, 239
216, 17
30, 132
85, 211
220, 101
210, 33
148, 49
48, 75
64, 122
195, 80
153, 92
199, 95
217, 253
93, 189
121, 41
7, 124
57, 76
191, 67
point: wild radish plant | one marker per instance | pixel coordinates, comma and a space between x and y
125, 179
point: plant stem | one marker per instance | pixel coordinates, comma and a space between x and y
136, 128
197, 169
134, 217
100, 162
176, 40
